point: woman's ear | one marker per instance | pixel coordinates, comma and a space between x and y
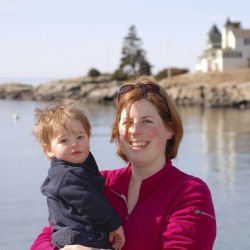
170, 134
47, 151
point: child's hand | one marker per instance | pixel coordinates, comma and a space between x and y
117, 238
76, 247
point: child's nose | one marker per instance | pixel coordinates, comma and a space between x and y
74, 144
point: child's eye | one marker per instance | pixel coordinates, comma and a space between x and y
80, 137
63, 141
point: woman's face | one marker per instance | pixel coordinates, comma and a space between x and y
147, 135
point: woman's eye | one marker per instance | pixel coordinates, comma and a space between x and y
146, 121
130, 123
63, 141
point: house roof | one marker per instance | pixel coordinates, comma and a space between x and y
214, 30
232, 24
214, 35
239, 33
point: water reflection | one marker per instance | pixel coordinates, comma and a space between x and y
223, 161
215, 147
224, 134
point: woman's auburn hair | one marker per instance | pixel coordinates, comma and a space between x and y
166, 109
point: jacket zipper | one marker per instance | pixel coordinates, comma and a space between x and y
201, 212
123, 198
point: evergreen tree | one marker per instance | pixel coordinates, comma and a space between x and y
133, 61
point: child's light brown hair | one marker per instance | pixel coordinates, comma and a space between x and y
56, 116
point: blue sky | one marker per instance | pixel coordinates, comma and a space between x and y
65, 38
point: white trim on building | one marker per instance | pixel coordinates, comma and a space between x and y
229, 50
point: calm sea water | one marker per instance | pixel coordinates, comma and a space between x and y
216, 148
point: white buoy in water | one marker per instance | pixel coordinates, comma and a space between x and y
15, 117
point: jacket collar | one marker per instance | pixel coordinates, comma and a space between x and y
121, 182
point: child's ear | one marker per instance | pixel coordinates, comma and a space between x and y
47, 151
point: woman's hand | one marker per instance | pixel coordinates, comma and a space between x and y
77, 247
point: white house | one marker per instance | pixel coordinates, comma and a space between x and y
227, 50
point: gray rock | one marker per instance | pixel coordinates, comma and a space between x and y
102, 89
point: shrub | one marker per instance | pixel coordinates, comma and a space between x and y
119, 75
93, 73
173, 72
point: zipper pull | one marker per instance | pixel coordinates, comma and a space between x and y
201, 212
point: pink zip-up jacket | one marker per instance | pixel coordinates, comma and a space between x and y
174, 211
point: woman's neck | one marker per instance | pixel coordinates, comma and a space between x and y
140, 173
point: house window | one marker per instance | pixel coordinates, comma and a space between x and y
238, 54
232, 54
247, 41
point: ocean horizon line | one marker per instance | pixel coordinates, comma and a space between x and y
27, 80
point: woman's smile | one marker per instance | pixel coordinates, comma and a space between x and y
145, 142
139, 144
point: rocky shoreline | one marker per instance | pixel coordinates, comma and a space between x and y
186, 90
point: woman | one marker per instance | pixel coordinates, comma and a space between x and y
161, 207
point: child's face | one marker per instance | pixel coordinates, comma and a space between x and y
70, 145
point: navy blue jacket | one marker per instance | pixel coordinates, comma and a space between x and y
77, 206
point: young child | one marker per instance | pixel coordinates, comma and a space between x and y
78, 210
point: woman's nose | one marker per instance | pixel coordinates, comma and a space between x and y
135, 128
